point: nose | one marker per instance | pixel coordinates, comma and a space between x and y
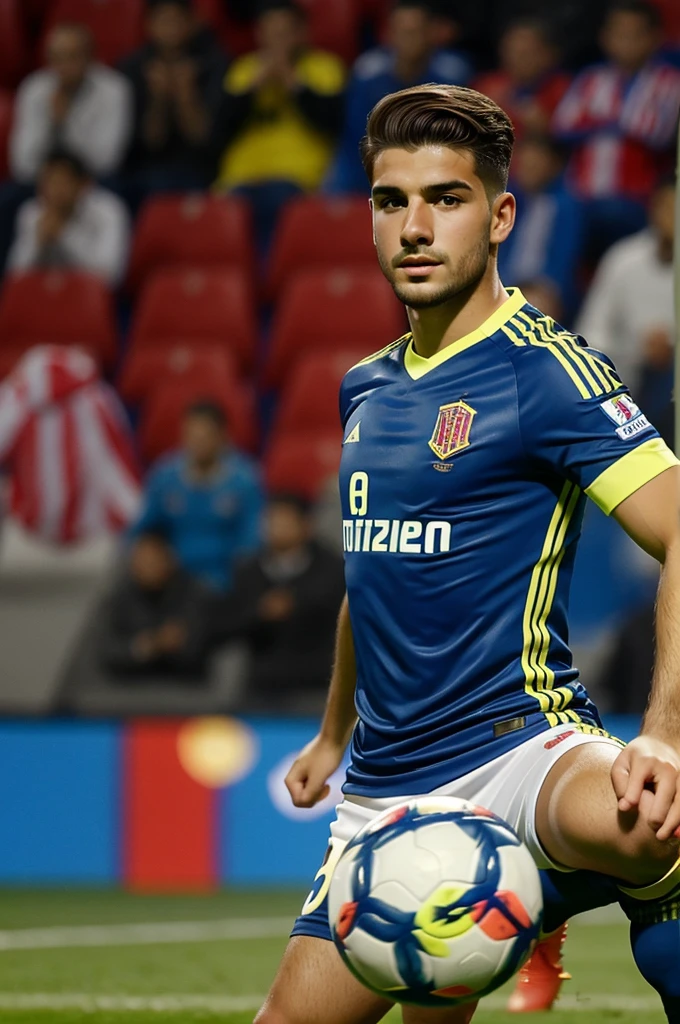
417, 228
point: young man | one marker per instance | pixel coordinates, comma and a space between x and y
474, 438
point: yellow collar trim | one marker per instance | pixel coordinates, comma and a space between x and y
417, 366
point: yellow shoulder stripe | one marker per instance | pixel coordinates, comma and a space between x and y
629, 473
591, 376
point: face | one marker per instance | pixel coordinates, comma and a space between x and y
59, 187
662, 213
411, 33
433, 223
535, 166
629, 40
202, 439
525, 55
68, 54
286, 528
169, 26
280, 32
152, 563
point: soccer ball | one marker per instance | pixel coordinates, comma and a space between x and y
435, 902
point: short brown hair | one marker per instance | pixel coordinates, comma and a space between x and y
443, 115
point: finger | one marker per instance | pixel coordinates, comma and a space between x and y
620, 774
639, 775
664, 794
670, 827
307, 797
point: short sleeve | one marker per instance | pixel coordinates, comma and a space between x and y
576, 417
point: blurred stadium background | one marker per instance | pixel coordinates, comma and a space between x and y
187, 272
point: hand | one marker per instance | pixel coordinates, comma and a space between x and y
158, 79
144, 646
277, 604
278, 69
657, 346
60, 104
183, 78
171, 637
650, 764
50, 226
306, 780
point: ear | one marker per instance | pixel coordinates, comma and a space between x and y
502, 217
370, 203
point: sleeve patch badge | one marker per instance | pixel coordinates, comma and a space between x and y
628, 418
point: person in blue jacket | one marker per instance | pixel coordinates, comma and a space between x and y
411, 57
205, 498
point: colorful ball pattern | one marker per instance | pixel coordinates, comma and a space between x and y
435, 902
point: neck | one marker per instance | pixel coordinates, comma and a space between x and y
665, 250
438, 327
409, 70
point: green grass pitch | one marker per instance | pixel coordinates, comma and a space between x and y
191, 959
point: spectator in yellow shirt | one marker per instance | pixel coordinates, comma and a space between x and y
282, 113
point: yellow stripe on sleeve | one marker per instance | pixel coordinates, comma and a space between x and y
629, 473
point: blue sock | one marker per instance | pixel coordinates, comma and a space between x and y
656, 949
566, 893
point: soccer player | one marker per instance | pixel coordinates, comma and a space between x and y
470, 447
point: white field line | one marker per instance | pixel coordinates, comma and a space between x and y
88, 1003
145, 934
170, 932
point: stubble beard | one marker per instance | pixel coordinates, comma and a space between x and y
467, 273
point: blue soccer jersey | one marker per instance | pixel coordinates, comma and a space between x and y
463, 482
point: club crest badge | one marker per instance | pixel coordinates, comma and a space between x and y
452, 430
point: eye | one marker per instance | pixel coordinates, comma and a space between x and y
449, 200
391, 203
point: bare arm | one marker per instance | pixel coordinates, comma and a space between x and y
306, 780
651, 516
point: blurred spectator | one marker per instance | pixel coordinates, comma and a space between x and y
544, 295
74, 103
409, 58
285, 605
528, 83
628, 312
72, 223
545, 243
205, 499
626, 676
157, 621
282, 112
622, 116
177, 83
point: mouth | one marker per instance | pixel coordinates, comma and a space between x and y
418, 266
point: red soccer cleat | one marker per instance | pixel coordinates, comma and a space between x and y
539, 981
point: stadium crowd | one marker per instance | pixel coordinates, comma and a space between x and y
183, 197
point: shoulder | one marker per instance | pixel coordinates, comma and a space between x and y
323, 71
448, 66
372, 372
242, 72
241, 466
372, 64
108, 79
28, 213
106, 203
629, 253
165, 470
550, 360
35, 86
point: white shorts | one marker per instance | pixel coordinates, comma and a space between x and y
509, 786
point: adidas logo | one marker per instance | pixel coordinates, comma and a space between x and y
353, 435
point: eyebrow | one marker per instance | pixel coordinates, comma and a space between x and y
427, 192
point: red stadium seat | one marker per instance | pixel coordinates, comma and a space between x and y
302, 462
57, 307
13, 47
213, 306
334, 25
310, 397
117, 26
147, 369
191, 230
161, 418
6, 108
330, 310
320, 231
